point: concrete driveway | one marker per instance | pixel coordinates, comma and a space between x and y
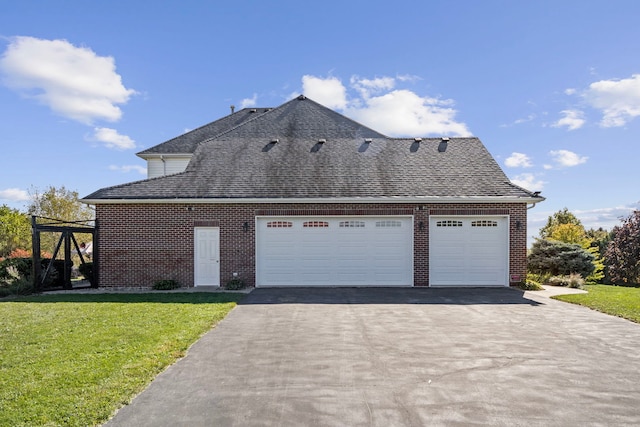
401, 357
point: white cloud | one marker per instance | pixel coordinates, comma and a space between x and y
329, 92
379, 104
606, 218
14, 194
518, 160
249, 102
570, 91
573, 119
368, 87
566, 158
128, 168
618, 100
74, 82
112, 139
528, 181
404, 113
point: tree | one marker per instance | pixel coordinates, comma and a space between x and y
623, 253
563, 226
15, 231
550, 257
558, 218
568, 233
57, 203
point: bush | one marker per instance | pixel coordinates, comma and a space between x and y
530, 286
15, 283
559, 259
56, 274
21, 265
571, 281
235, 284
86, 270
165, 285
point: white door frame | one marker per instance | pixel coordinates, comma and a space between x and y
211, 251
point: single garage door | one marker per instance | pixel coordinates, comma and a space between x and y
334, 251
468, 251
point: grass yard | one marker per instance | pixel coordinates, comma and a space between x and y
72, 360
615, 300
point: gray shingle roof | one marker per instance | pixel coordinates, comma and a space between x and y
187, 142
353, 162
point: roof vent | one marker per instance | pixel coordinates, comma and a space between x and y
368, 140
275, 140
322, 141
445, 139
301, 98
417, 139
233, 108
253, 110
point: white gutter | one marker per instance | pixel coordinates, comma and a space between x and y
399, 199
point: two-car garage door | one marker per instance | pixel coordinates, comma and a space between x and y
334, 251
378, 251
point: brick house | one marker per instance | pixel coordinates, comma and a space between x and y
300, 195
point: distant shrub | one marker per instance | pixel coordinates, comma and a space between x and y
235, 284
19, 253
165, 285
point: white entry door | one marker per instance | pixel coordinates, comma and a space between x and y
207, 256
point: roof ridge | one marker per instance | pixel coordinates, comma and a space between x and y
268, 110
235, 113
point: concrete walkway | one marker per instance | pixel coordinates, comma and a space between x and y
401, 357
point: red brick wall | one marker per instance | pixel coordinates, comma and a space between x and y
142, 243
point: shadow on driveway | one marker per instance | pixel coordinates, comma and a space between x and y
449, 296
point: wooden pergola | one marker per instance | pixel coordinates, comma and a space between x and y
66, 229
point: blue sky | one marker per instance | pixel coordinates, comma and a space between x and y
551, 87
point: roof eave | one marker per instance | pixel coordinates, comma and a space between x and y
392, 199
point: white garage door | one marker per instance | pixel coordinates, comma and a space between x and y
334, 251
468, 251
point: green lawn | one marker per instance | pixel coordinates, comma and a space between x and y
615, 300
72, 360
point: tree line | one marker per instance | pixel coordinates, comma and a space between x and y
566, 252
55, 203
